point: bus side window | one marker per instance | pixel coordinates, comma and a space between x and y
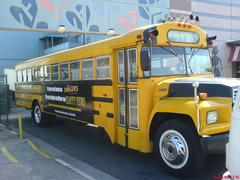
132, 65
24, 74
103, 67
29, 75
19, 76
47, 76
87, 69
64, 72
55, 72
40, 72
75, 70
34, 74
121, 65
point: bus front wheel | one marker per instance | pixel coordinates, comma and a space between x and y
38, 115
178, 148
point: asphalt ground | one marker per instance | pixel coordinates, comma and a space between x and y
92, 146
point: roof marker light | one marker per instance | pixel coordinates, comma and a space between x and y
191, 17
197, 19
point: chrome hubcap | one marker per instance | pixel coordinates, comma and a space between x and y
37, 114
174, 149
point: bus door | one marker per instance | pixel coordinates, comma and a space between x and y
128, 123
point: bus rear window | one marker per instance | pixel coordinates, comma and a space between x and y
47, 73
55, 72
19, 76
183, 36
75, 70
87, 69
64, 72
29, 75
103, 68
40, 72
34, 74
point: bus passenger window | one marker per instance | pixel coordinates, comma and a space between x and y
75, 70
40, 71
87, 69
34, 74
55, 72
103, 68
64, 72
19, 76
47, 73
24, 74
132, 65
121, 64
29, 75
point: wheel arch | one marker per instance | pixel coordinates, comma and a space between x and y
35, 101
161, 117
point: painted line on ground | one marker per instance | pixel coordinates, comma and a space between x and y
13, 132
39, 151
60, 161
9, 155
2, 125
78, 171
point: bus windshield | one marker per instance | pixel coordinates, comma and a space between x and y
179, 60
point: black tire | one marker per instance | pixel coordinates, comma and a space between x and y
190, 159
38, 116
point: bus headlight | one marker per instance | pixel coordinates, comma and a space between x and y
211, 117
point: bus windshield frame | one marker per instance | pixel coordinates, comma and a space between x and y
178, 60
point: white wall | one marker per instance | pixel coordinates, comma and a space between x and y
11, 78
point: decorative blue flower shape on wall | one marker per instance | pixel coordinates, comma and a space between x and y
27, 15
76, 18
144, 9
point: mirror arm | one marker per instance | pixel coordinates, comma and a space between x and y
150, 57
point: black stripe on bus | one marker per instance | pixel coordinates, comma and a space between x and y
101, 99
110, 115
104, 82
186, 90
96, 112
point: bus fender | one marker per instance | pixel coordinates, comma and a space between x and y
166, 109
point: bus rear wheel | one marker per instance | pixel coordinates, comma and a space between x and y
178, 148
38, 115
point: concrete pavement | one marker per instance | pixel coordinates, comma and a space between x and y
33, 159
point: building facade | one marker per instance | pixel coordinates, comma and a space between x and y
217, 17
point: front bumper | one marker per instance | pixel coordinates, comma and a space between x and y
215, 144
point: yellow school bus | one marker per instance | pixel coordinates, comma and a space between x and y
151, 89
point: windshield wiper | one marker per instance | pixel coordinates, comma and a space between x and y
193, 53
172, 51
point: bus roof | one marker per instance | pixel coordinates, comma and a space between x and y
124, 40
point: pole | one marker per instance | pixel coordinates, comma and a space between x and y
195, 99
20, 126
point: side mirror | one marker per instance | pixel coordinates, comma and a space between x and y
145, 59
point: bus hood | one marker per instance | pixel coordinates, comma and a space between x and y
214, 87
